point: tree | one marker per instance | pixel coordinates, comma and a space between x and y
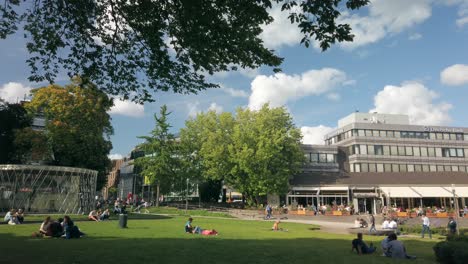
160, 162
12, 118
77, 126
124, 45
265, 151
254, 152
31, 146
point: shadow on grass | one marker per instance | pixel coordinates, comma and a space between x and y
195, 249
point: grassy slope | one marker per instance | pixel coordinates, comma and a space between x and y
163, 241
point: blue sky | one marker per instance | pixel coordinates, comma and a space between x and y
408, 57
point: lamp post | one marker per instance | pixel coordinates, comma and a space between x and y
457, 211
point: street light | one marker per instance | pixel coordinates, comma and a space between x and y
457, 211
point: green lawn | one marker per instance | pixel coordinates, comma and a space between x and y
182, 212
162, 240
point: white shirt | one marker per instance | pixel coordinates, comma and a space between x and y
426, 221
393, 225
385, 224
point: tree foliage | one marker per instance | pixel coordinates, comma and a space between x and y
124, 45
12, 118
78, 126
254, 152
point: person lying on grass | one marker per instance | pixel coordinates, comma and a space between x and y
93, 216
198, 230
71, 230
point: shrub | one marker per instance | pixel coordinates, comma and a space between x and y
452, 251
416, 229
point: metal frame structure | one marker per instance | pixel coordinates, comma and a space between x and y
44, 189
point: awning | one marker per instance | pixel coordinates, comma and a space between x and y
399, 192
304, 188
459, 191
334, 188
432, 191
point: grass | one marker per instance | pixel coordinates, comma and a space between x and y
162, 240
182, 212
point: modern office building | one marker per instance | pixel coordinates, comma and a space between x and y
372, 160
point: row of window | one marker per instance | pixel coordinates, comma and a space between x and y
396, 134
320, 158
387, 167
417, 151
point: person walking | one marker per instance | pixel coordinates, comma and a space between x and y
426, 226
268, 211
452, 226
372, 222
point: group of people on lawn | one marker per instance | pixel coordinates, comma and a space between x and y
14, 217
391, 247
62, 227
98, 215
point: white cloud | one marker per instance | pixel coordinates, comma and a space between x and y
455, 75
415, 36
127, 108
385, 18
115, 156
334, 96
246, 72
462, 10
315, 135
14, 92
235, 92
462, 21
415, 100
280, 32
194, 108
215, 107
280, 88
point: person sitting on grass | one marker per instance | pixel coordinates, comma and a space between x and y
396, 249
93, 216
188, 226
20, 216
384, 245
357, 223
393, 224
8, 216
276, 226
363, 223
45, 225
385, 224
71, 230
360, 246
105, 215
54, 229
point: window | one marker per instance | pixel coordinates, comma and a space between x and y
370, 150
430, 152
409, 151
372, 167
314, 157
459, 136
445, 152
401, 150
307, 157
364, 167
404, 134
383, 133
357, 149
466, 152
397, 134
440, 168
433, 168
388, 167
453, 136
417, 168
403, 168
322, 158
395, 168
438, 152
411, 167
378, 150
447, 168
357, 167
386, 150
330, 158
426, 135
380, 167
425, 168
432, 135
423, 151
368, 133
411, 135
453, 152
390, 134
460, 153
361, 133
439, 136
418, 135
462, 168
465, 137
394, 150
363, 149
375, 133
351, 167
454, 168
446, 136
416, 151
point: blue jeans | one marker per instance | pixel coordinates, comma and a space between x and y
372, 228
425, 229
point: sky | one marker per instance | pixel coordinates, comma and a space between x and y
408, 57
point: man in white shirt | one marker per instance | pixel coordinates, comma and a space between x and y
425, 226
386, 224
393, 224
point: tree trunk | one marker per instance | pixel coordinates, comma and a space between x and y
157, 195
